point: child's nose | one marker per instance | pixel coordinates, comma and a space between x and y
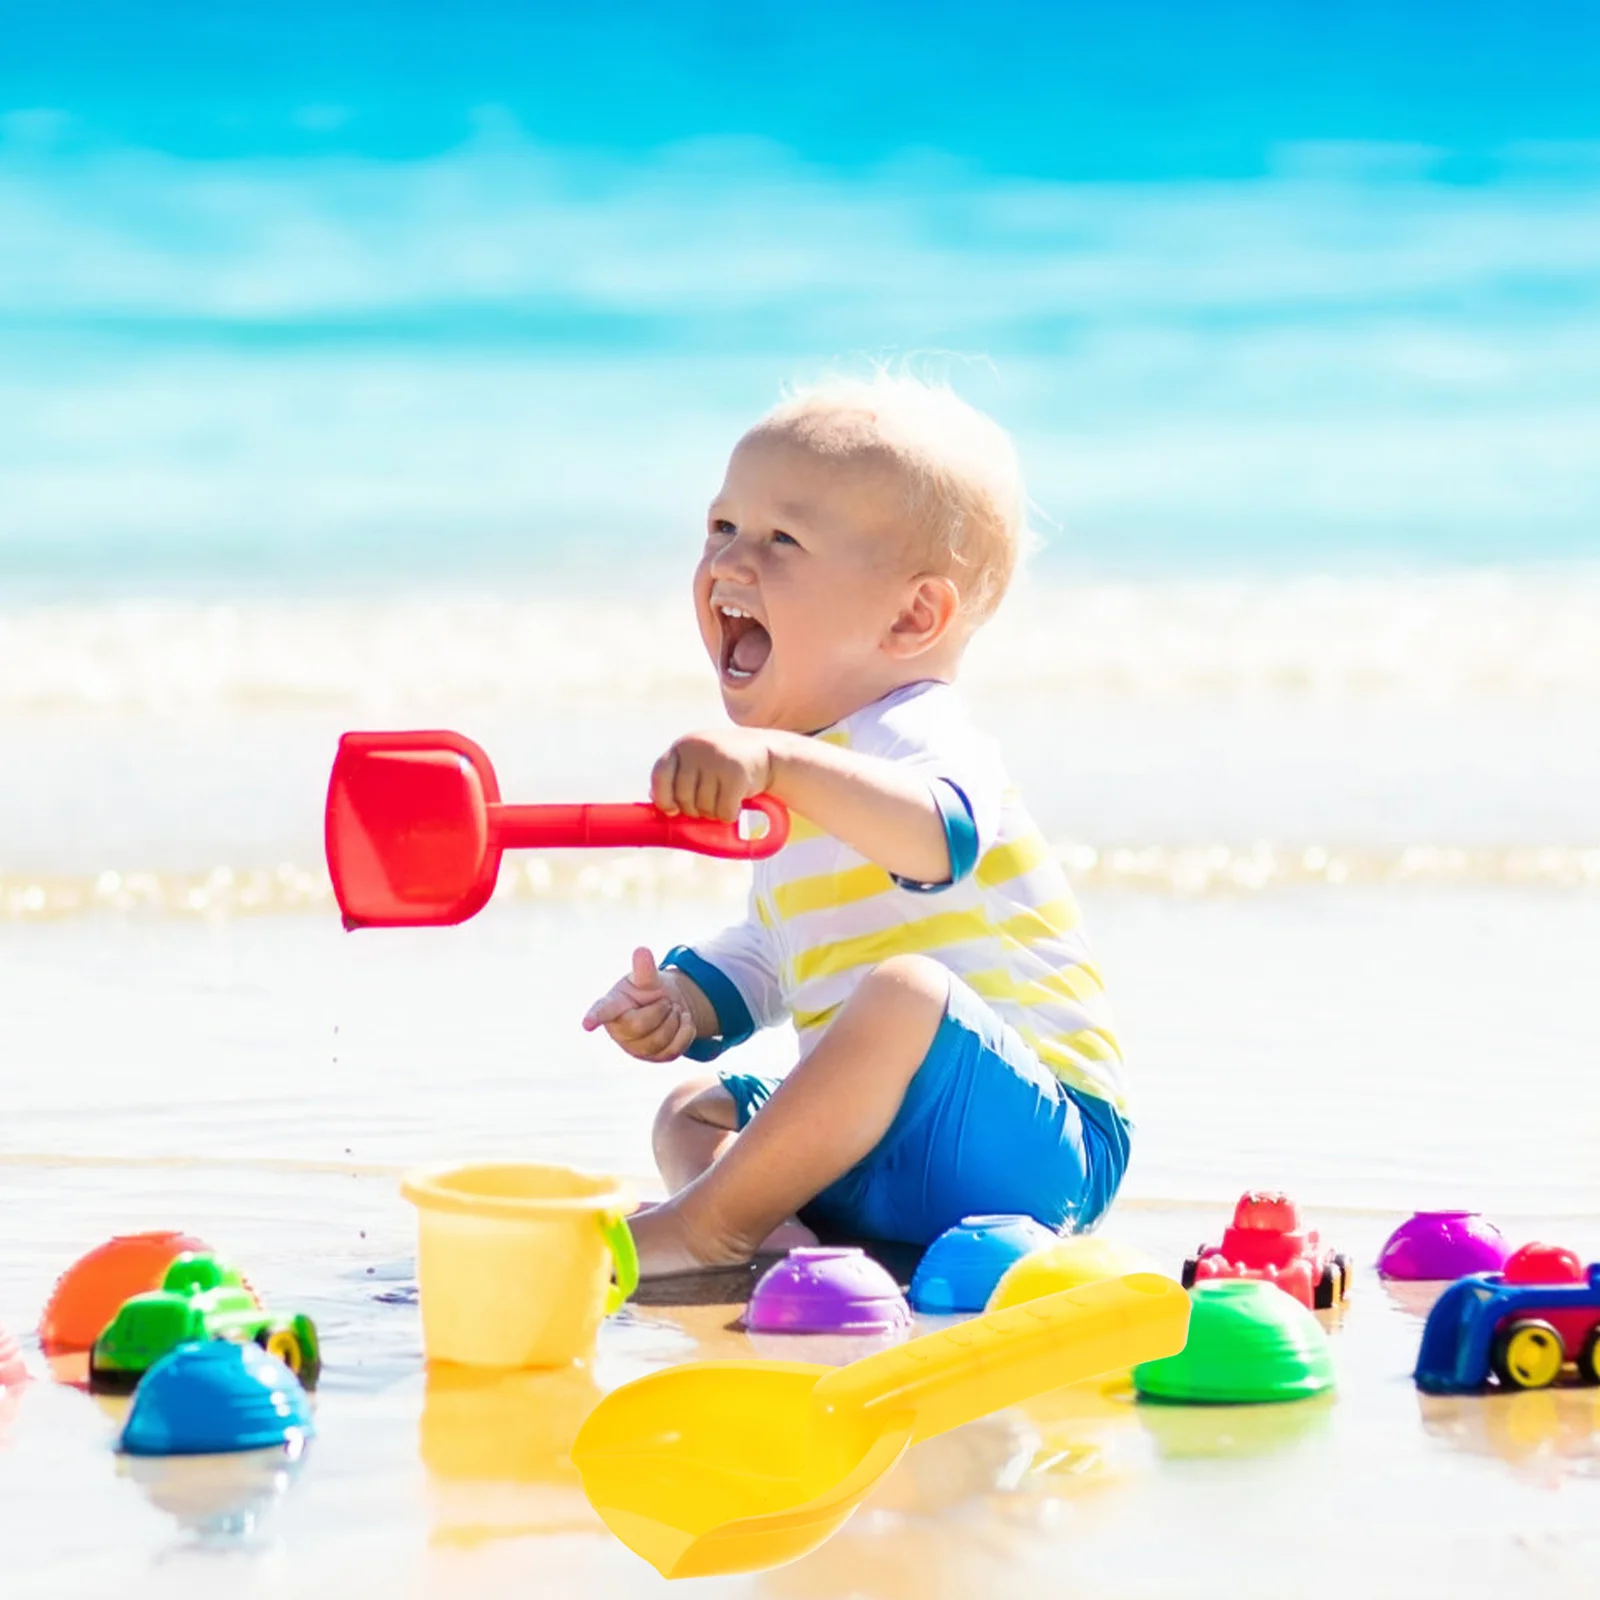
732, 561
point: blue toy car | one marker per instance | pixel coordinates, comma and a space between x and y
1523, 1326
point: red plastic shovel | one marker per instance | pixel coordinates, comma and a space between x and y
415, 827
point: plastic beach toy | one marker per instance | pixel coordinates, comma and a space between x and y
1442, 1245
415, 827
514, 1261
962, 1266
821, 1289
88, 1293
1266, 1241
1248, 1343
201, 1297
1523, 1326
208, 1399
732, 1466
1066, 1264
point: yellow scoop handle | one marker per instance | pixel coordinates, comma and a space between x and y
962, 1373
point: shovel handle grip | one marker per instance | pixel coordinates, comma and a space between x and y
613, 827
962, 1373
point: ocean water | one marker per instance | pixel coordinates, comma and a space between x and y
1335, 839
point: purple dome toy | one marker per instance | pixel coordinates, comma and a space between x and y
1442, 1245
827, 1289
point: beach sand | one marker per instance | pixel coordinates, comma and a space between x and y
261, 1081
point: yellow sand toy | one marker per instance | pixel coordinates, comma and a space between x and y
731, 1466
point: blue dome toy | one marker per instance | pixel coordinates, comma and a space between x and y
210, 1398
962, 1266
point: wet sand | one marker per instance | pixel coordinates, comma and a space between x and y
260, 1082
440, 1483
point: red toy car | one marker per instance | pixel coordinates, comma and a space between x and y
1266, 1241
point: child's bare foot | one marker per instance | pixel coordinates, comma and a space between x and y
790, 1235
668, 1246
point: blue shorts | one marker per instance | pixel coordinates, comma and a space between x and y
984, 1127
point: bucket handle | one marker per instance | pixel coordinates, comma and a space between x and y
624, 1258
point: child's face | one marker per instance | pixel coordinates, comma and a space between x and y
816, 554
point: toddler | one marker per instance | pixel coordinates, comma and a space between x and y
956, 1050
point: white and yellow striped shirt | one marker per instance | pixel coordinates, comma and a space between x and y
822, 916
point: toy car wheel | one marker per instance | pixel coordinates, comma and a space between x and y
1527, 1354
1345, 1272
1589, 1357
284, 1343
1326, 1294
1187, 1277
111, 1380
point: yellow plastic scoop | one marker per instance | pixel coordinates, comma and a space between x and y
731, 1466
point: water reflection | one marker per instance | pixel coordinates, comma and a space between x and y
70, 1367
1545, 1435
1184, 1432
975, 1511
497, 1449
826, 1349
223, 1500
1414, 1298
926, 1532
10, 1404
1088, 1437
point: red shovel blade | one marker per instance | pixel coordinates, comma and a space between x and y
407, 829
414, 829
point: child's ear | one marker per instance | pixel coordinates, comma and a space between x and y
926, 617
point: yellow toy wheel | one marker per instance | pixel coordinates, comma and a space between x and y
285, 1345
1589, 1358
1528, 1355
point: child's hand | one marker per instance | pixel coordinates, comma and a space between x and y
644, 1013
711, 774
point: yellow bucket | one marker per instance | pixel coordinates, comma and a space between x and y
514, 1261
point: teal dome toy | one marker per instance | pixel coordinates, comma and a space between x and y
962, 1266
213, 1398
1249, 1343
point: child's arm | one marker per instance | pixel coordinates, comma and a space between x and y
654, 1015
880, 809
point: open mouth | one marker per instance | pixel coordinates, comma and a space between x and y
746, 644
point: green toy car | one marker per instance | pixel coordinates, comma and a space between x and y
200, 1298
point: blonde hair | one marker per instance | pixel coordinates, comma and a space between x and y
960, 468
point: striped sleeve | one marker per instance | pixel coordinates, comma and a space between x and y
965, 776
960, 836
738, 972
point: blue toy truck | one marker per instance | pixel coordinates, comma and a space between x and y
1523, 1326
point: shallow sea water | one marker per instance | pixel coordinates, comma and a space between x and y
262, 1080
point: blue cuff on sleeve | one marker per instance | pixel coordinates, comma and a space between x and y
734, 1022
960, 836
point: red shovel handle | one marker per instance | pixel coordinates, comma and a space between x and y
712, 838
610, 827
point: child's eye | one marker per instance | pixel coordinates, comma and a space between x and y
722, 526
780, 537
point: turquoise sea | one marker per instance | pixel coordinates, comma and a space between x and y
348, 297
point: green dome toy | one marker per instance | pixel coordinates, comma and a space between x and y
1249, 1343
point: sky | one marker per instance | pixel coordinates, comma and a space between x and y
1252, 284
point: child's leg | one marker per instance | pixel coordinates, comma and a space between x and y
693, 1126
823, 1118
